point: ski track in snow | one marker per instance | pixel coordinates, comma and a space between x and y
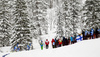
5, 55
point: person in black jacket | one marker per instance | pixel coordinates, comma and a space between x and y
75, 38
66, 41
55, 42
83, 34
96, 32
63, 42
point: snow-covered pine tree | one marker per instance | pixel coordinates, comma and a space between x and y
39, 17
68, 20
60, 25
60, 20
5, 24
91, 14
72, 16
21, 34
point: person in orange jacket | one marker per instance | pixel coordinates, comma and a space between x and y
47, 43
60, 42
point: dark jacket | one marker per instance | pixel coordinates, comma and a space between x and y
96, 31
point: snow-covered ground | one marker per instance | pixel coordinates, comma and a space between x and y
87, 48
5, 49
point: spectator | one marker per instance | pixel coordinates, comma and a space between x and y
41, 44
47, 43
60, 42
72, 39
53, 43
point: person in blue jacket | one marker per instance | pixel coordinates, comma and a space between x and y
72, 39
92, 32
15, 48
18, 49
98, 31
28, 47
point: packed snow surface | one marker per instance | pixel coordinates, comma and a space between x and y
86, 48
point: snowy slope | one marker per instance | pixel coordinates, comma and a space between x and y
5, 49
88, 48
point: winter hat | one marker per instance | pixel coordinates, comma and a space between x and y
41, 41
46, 39
59, 39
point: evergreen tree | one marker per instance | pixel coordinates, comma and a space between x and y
60, 20
72, 16
39, 17
91, 13
68, 19
60, 25
4, 24
21, 34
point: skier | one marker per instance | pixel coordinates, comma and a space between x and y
41, 44
15, 48
28, 47
71, 39
92, 33
60, 42
18, 49
47, 43
53, 43
17, 44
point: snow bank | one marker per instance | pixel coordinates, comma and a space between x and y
5, 49
88, 48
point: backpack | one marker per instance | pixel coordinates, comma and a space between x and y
53, 43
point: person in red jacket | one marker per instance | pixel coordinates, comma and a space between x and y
60, 42
53, 43
47, 43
